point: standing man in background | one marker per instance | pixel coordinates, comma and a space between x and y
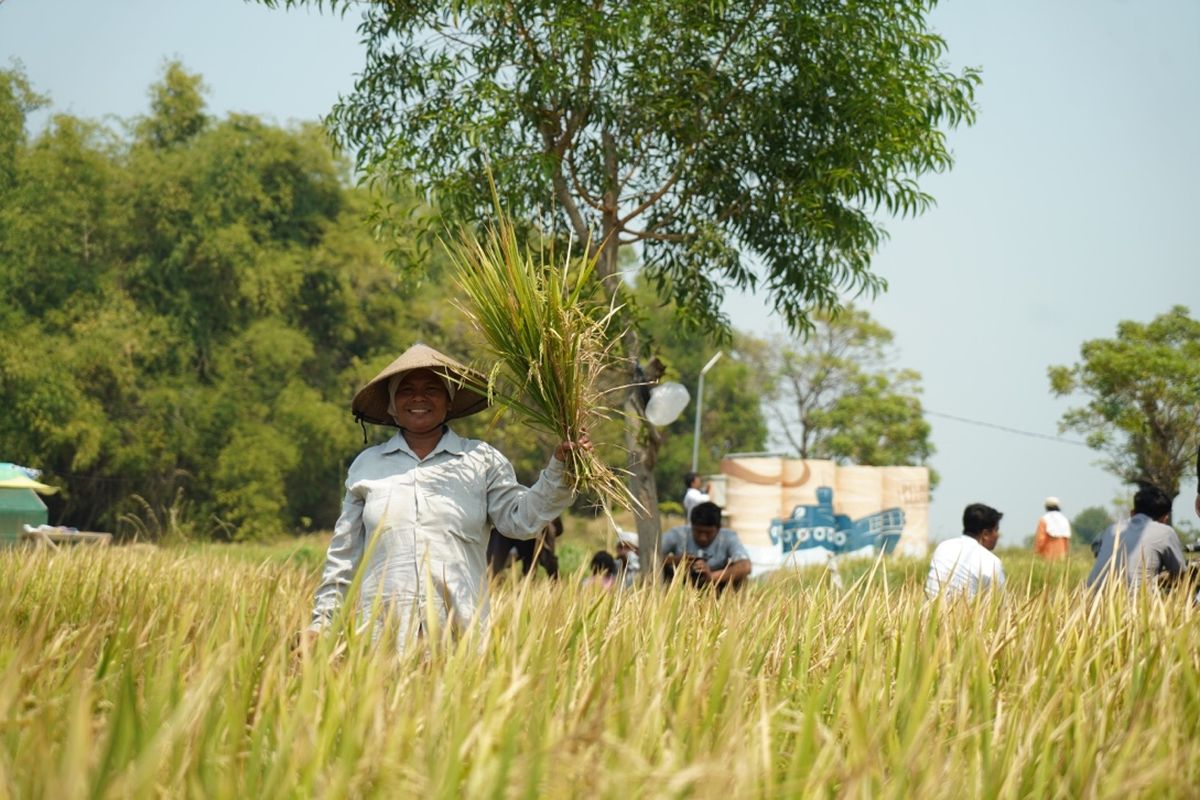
692, 496
1053, 535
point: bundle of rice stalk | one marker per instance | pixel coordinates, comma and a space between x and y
550, 341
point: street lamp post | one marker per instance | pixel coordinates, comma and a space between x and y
700, 409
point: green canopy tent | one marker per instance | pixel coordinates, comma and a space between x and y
19, 503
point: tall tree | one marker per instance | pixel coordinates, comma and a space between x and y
1090, 523
745, 144
190, 312
835, 396
176, 108
1143, 398
17, 100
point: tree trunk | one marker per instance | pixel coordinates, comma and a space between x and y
642, 442
641, 439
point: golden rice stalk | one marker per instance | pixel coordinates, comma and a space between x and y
550, 340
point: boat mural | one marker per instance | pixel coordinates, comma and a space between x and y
817, 526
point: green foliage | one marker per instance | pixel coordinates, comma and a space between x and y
835, 396
187, 313
749, 145
1143, 398
738, 144
1090, 524
177, 108
17, 100
877, 421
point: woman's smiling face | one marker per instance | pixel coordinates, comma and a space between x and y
421, 401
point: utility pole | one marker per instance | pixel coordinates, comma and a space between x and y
700, 408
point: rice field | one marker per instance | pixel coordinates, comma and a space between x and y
147, 672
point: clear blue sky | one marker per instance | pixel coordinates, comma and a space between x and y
1071, 206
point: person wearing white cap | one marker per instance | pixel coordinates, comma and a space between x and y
419, 507
629, 565
1053, 535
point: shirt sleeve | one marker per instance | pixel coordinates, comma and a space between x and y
518, 512
670, 545
341, 560
1172, 560
1100, 567
737, 551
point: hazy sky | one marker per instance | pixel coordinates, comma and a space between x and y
1071, 206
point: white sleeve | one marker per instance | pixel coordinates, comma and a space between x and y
341, 560
518, 512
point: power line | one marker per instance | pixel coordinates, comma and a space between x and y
1007, 429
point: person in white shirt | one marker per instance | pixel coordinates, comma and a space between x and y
965, 566
419, 508
692, 495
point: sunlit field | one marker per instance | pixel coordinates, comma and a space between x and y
145, 672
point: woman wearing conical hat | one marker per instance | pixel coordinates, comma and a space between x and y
431, 498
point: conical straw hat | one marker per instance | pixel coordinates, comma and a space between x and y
470, 394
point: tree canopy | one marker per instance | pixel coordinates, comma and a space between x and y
1090, 524
1143, 398
734, 144
745, 144
190, 307
835, 395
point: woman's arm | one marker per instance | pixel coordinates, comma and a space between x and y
341, 560
519, 512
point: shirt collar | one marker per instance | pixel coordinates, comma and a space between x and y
450, 443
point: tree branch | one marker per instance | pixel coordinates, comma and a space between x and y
583, 193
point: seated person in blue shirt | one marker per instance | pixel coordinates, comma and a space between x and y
712, 555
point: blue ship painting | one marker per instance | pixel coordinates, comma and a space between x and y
817, 526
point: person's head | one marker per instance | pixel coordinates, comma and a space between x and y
466, 388
1153, 502
1052, 504
691, 480
627, 543
982, 523
706, 523
420, 400
604, 564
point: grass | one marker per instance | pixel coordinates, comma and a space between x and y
149, 672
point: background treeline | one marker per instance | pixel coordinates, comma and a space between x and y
189, 303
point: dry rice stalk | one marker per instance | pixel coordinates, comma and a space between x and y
549, 339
